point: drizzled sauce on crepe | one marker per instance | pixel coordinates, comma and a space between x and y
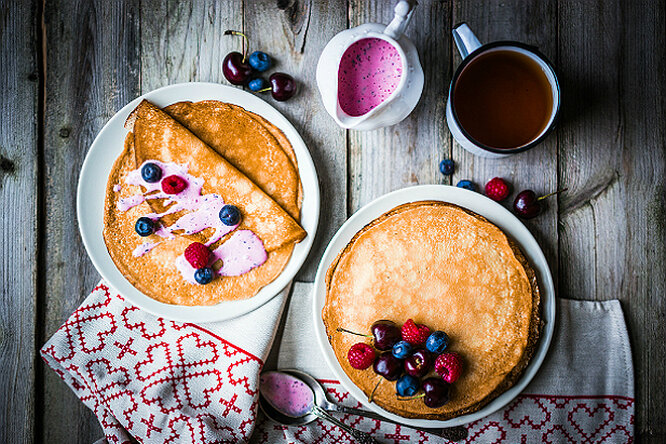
239, 254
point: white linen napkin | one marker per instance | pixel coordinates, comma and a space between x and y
159, 380
584, 391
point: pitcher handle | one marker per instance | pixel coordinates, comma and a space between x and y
465, 40
403, 13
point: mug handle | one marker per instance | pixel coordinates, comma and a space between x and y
466, 41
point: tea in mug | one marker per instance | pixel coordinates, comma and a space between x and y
503, 99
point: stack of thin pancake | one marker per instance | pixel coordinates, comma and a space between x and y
452, 270
241, 157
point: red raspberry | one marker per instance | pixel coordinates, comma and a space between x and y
449, 366
197, 255
497, 189
413, 333
173, 184
361, 356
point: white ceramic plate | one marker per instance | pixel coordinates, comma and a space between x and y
92, 188
480, 204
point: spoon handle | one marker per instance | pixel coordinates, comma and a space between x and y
450, 433
361, 437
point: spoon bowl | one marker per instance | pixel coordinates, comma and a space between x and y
276, 416
315, 411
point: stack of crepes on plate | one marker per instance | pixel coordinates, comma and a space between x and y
452, 270
226, 156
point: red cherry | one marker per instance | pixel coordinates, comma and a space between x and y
527, 205
436, 392
235, 66
235, 69
283, 86
388, 366
418, 364
386, 334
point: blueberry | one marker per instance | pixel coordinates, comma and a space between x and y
144, 226
446, 167
466, 184
407, 385
437, 342
203, 275
260, 61
401, 349
230, 215
151, 173
257, 84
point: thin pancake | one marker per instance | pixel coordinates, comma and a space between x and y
155, 273
158, 136
247, 144
451, 270
286, 146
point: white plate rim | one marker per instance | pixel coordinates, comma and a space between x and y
480, 204
91, 194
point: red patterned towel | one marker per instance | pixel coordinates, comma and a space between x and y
583, 393
163, 381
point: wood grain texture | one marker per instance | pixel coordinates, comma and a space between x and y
613, 158
295, 33
184, 41
532, 22
92, 70
19, 94
408, 153
604, 238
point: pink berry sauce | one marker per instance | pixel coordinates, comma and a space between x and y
239, 254
369, 72
287, 394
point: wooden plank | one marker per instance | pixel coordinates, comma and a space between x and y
184, 41
532, 22
19, 84
408, 153
294, 33
613, 159
92, 71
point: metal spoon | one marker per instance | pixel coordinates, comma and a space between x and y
322, 406
310, 415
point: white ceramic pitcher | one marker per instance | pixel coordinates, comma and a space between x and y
400, 103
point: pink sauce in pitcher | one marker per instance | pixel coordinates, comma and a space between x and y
369, 72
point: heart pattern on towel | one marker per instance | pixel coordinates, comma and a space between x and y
529, 418
160, 380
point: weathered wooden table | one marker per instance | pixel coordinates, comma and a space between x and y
67, 66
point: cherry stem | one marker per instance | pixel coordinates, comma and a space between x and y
409, 398
372, 393
245, 40
551, 194
264, 90
340, 329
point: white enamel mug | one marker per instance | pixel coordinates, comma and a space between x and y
470, 48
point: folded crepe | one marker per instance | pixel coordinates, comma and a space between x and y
155, 273
157, 136
234, 133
